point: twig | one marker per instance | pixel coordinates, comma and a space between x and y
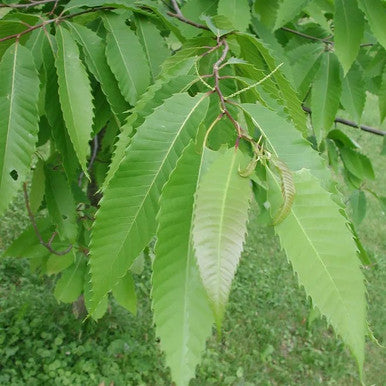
346, 122
178, 15
31, 216
31, 4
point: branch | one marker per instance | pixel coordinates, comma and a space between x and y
178, 15
346, 122
31, 4
31, 216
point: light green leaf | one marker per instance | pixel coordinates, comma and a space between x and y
266, 11
286, 143
74, 94
60, 203
348, 31
99, 3
375, 11
220, 25
35, 44
287, 10
358, 206
357, 163
326, 93
87, 293
70, 285
38, 185
126, 58
125, 221
182, 314
250, 46
382, 97
220, 225
94, 50
124, 293
354, 92
56, 264
19, 93
153, 44
237, 11
322, 252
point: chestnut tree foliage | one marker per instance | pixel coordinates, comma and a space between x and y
145, 125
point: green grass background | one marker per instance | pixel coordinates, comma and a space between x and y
268, 337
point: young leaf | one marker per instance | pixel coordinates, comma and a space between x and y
354, 92
237, 11
126, 58
326, 92
74, 94
153, 44
321, 246
124, 293
375, 11
348, 31
94, 51
182, 314
125, 221
19, 93
220, 225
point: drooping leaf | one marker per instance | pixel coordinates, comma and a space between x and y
56, 264
287, 10
35, 44
125, 221
124, 293
94, 51
342, 140
101, 309
126, 58
70, 285
323, 254
326, 93
220, 225
357, 164
375, 11
74, 94
60, 203
382, 97
153, 44
237, 11
19, 92
182, 314
354, 92
348, 31
287, 190
358, 206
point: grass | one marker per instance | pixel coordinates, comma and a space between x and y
268, 337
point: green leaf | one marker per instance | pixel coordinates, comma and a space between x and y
56, 264
250, 46
126, 58
323, 254
237, 11
19, 93
348, 31
326, 93
99, 3
70, 285
35, 44
220, 25
124, 293
287, 10
133, 193
60, 203
382, 97
290, 148
342, 140
354, 92
153, 44
74, 94
357, 202
27, 244
287, 190
220, 225
357, 163
87, 293
267, 12
94, 50
182, 314
375, 11
38, 185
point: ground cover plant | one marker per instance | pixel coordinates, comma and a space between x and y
152, 128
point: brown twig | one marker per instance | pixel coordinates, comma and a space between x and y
346, 122
31, 216
178, 15
28, 5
